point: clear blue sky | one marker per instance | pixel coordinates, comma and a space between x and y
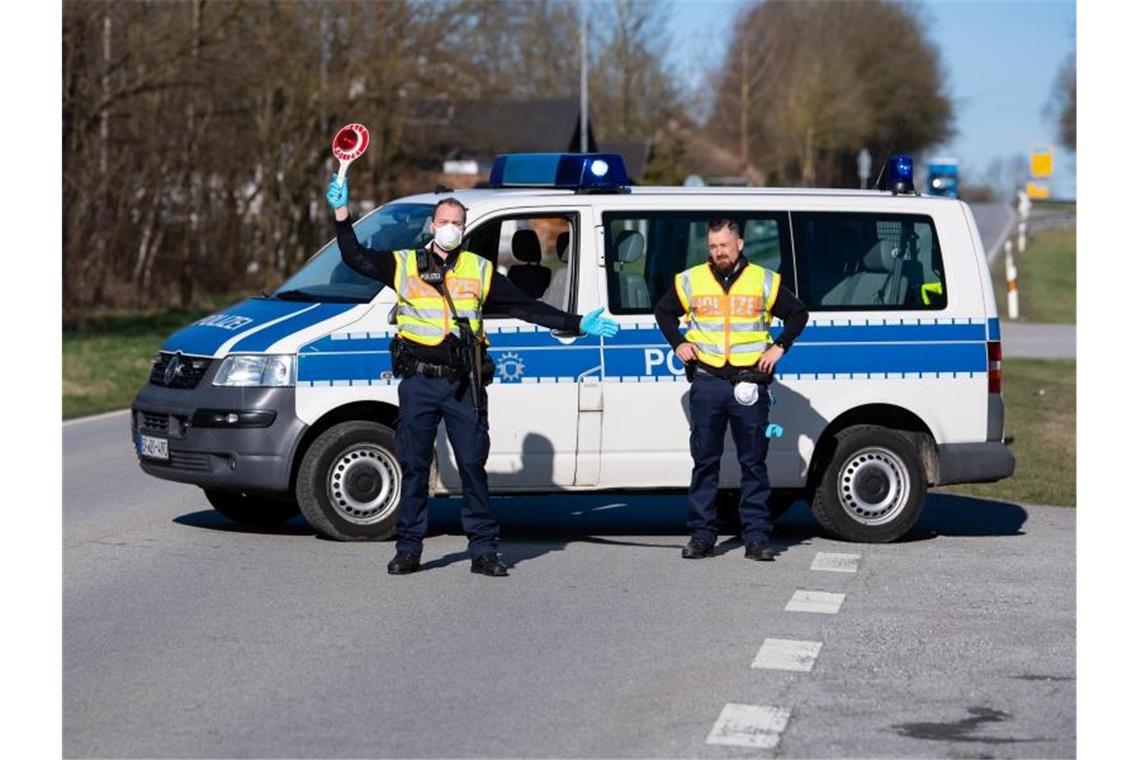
1000, 59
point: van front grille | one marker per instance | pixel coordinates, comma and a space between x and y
184, 371
159, 423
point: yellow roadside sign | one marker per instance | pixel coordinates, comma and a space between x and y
1037, 191
1041, 162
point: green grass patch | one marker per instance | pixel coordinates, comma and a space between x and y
1041, 416
107, 359
1046, 278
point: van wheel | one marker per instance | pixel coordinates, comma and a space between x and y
873, 488
348, 485
251, 510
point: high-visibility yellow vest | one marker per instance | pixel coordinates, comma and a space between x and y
422, 313
728, 327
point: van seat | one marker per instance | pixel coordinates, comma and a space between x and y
531, 276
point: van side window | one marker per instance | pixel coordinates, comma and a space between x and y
534, 252
852, 261
645, 250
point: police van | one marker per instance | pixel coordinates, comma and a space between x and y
287, 402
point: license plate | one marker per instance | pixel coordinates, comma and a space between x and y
153, 448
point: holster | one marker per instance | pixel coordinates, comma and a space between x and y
403, 363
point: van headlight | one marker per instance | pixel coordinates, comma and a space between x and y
246, 371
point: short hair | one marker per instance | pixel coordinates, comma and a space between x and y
716, 225
450, 202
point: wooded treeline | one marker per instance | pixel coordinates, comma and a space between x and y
196, 133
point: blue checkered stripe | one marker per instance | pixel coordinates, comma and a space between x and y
827, 349
524, 354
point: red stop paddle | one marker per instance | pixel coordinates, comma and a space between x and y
349, 144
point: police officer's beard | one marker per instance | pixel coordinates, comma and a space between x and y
725, 269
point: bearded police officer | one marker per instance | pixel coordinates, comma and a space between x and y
441, 293
729, 356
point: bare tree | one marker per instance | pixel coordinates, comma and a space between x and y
196, 134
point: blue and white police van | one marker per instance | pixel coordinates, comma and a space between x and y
287, 402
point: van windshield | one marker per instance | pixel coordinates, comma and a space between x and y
325, 277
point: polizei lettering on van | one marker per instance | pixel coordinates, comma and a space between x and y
224, 321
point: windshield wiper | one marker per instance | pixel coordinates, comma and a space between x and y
296, 295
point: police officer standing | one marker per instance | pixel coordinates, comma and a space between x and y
730, 356
441, 293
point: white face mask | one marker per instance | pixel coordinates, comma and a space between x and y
448, 236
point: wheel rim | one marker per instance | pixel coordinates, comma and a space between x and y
873, 486
364, 484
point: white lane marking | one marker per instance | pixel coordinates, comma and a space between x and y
787, 654
95, 417
836, 563
815, 601
749, 726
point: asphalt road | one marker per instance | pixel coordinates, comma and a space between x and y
185, 636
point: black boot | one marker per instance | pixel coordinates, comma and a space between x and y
489, 564
698, 548
759, 550
402, 564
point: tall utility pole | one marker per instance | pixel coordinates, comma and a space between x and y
583, 121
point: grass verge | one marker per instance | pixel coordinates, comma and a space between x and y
1041, 417
108, 360
1046, 278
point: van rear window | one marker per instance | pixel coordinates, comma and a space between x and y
860, 261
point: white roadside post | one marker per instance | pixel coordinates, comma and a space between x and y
1011, 280
1023, 207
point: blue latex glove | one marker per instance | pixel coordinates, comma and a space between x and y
337, 196
774, 431
595, 324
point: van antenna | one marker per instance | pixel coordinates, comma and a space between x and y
879, 179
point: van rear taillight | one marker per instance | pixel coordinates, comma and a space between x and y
993, 352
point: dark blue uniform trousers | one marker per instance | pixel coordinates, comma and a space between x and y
423, 400
711, 407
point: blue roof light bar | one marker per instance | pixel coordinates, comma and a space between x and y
900, 174
582, 172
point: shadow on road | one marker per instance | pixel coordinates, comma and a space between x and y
212, 520
954, 515
536, 525
532, 526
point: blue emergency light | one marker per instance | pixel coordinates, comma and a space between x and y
582, 172
900, 174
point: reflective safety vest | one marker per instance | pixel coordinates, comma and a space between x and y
728, 327
422, 313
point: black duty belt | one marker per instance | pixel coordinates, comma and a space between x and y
438, 371
738, 375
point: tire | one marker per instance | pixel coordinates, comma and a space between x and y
873, 489
348, 484
251, 510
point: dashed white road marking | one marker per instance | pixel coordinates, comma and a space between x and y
836, 563
749, 726
787, 654
815, 601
